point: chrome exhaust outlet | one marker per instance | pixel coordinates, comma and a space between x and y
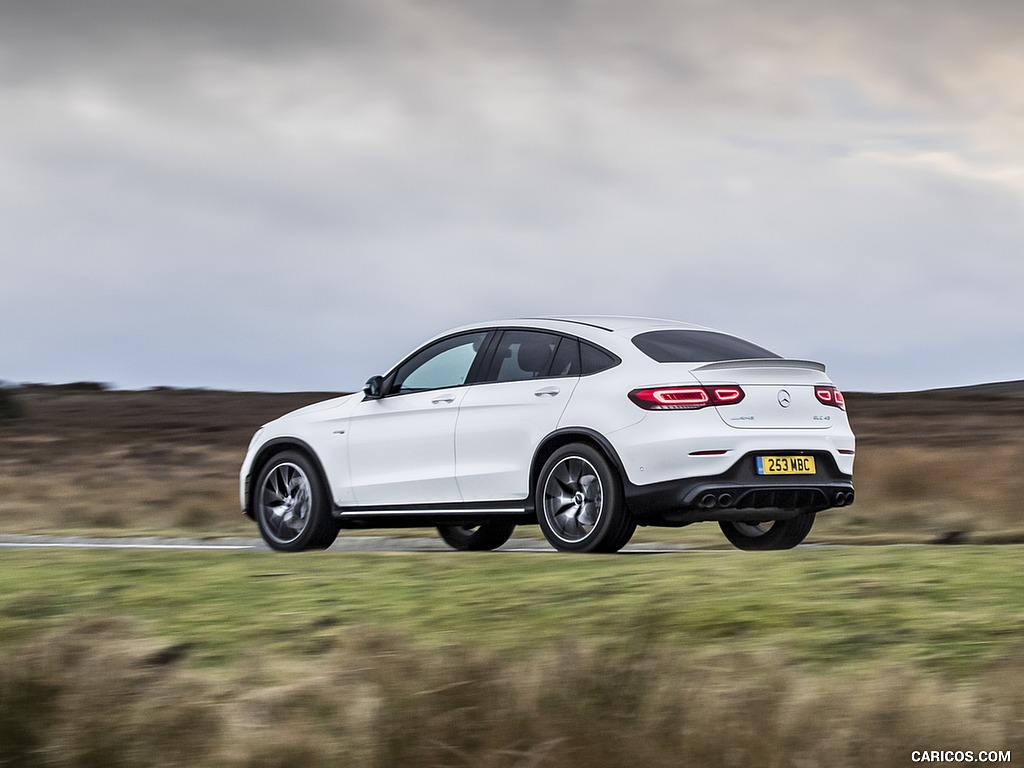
708, 501
725, 500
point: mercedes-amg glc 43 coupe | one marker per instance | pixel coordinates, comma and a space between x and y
585, 426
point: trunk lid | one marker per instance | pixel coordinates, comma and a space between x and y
778, 393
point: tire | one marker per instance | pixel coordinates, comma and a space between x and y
579, 501
291, 504
776, 534
476, 538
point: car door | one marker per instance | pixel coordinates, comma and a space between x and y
402, 445
530, 377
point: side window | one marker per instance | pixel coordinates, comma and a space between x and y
444, 364
522, 355
594, 359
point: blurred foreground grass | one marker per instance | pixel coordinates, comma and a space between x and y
948, 610
839, 657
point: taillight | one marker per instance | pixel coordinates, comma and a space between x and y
830, 396
685, 398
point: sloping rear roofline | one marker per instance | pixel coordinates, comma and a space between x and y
622, 324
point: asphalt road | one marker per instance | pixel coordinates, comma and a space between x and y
344, 543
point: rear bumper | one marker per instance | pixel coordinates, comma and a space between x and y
741, 494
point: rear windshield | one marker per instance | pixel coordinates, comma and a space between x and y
696, 347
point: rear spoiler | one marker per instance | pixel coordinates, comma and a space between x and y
761, 362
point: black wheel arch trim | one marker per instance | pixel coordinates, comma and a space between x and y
277, 445
566, 435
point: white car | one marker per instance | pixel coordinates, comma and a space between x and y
587, 426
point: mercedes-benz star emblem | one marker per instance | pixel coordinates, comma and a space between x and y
784, 398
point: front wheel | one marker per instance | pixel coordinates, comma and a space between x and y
476, 538
774, 534
293, 511
579, 500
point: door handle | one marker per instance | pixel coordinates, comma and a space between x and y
443, 399
552, 391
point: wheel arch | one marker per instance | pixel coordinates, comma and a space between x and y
562, 437
270, 449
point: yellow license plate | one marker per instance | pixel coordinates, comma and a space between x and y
785, 465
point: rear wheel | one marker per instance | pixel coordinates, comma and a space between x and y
579, 502
476, 538
774, 534
292, 508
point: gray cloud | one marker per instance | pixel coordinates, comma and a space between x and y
260, 195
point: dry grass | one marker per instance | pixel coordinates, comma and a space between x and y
938, 466
936, 494
931, 466
104, 693
81, 459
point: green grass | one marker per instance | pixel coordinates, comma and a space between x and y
842, 657
945, 610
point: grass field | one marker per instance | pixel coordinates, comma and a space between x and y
845, 657
947, 611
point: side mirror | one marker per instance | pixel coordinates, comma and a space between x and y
374, 388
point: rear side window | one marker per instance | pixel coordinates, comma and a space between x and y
594, 359
523, 355
684, 346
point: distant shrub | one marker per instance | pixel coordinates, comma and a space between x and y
85, 386
10, 408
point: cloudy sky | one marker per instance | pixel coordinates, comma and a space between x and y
265, 195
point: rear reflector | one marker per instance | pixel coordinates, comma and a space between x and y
685, 398
830, 396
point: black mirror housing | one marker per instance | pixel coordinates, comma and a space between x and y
374, 388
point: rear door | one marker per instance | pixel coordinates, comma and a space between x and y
524, 391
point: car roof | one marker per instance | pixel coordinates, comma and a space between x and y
623, 324
585, 325
610, 331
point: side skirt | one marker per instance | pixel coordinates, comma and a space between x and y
429, 515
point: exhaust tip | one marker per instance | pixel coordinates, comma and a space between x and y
708, 501
725, 500
840, 499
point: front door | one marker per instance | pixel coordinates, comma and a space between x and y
402, 446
